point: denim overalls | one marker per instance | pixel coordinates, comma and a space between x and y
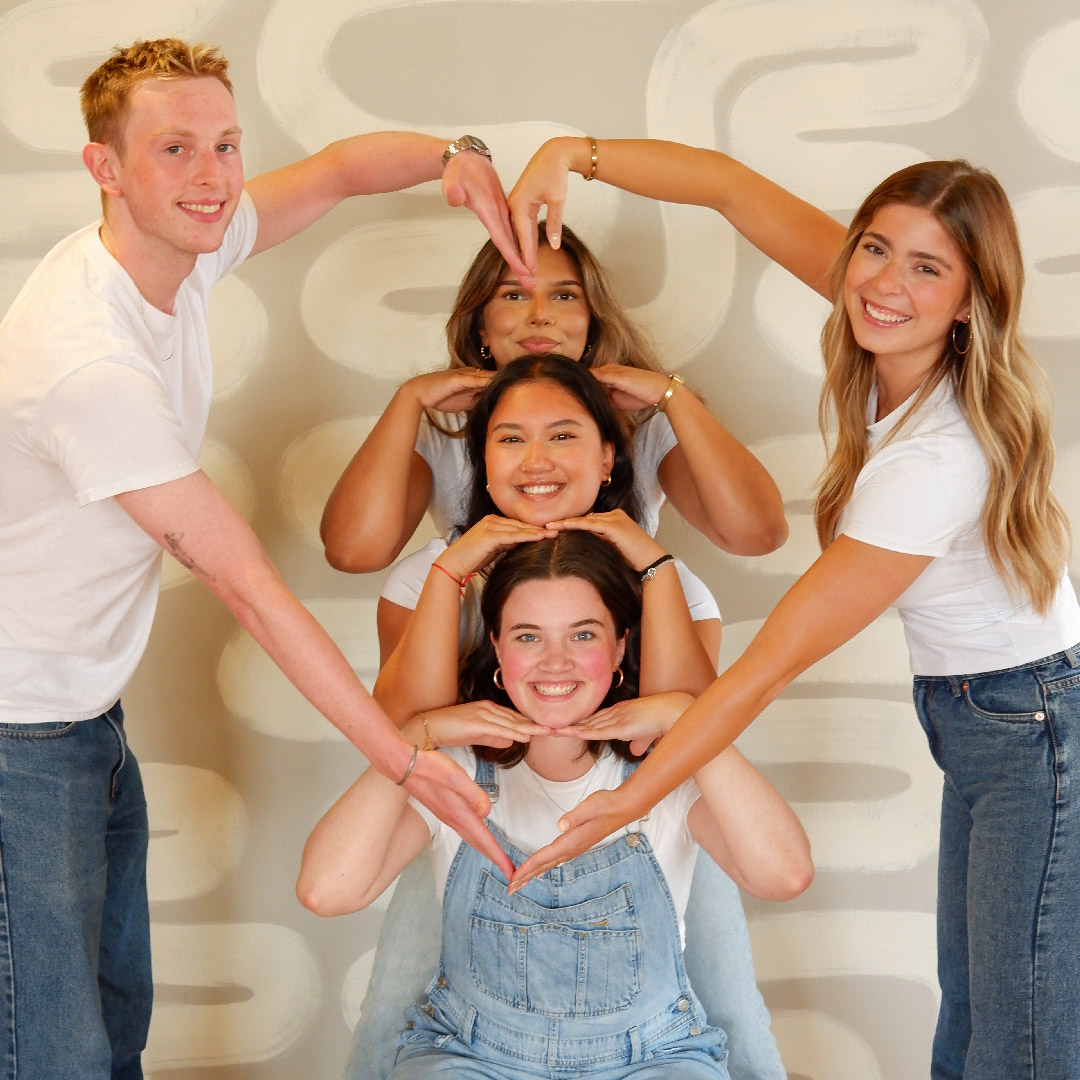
580, 973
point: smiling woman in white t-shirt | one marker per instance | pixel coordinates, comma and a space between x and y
935, 500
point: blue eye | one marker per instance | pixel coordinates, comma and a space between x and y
584, 635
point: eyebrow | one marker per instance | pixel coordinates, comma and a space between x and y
506, 424
511, 280
573, 626
928, 256
183, 134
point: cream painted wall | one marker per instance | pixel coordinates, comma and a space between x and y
826, 96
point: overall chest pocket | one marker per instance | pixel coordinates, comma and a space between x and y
569, 961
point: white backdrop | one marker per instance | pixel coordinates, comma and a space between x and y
826, 96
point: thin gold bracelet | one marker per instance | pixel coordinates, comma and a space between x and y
595, 157
428, 744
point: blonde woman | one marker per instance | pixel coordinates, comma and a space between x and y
935, 500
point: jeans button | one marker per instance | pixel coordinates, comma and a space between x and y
429, 1010
441, 982
695, 1030
682, 1004
1040, 716
633, 839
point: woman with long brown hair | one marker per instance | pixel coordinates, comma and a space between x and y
935, 500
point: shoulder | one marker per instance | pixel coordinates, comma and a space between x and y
652, 441
407, 576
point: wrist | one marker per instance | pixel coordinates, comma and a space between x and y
647, 573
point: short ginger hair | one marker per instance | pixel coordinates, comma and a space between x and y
106, 93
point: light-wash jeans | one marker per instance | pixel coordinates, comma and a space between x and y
1008, 871
75, 983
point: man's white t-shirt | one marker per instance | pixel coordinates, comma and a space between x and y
100, 393
528, 809
922, 493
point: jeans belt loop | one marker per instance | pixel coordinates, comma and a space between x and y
955, 685
1070, 656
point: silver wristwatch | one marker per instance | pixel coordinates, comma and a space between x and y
466, 142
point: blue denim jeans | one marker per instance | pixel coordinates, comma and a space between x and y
1008, 870
75, 984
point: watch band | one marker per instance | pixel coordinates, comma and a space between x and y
466, 142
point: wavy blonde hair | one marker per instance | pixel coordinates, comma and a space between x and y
1000, 389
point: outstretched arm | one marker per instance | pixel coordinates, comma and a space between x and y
194, 522
793, 233
849, 586
290, 199
741, 820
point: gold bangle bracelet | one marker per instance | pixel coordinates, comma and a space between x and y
673, 385
595, 157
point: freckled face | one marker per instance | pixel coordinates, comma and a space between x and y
558, 649
905, 286
552, 316
181, 173
544, 456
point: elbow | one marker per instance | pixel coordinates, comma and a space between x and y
792, 875
796, 879
767, 534
325, 902
351, 560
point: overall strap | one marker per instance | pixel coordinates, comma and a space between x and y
486, 778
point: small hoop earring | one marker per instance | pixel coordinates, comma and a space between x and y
495, 679
622, 678
606, 482
485, 353
967, 340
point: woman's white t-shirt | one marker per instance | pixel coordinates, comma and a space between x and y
922, 493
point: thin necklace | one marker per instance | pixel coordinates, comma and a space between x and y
543, 791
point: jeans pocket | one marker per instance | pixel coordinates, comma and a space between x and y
48, 730
1008, 697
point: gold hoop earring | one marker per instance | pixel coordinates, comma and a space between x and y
606, 482
967, 344
622, 678
495, 679
485, 353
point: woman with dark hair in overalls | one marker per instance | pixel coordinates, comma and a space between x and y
580, 973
